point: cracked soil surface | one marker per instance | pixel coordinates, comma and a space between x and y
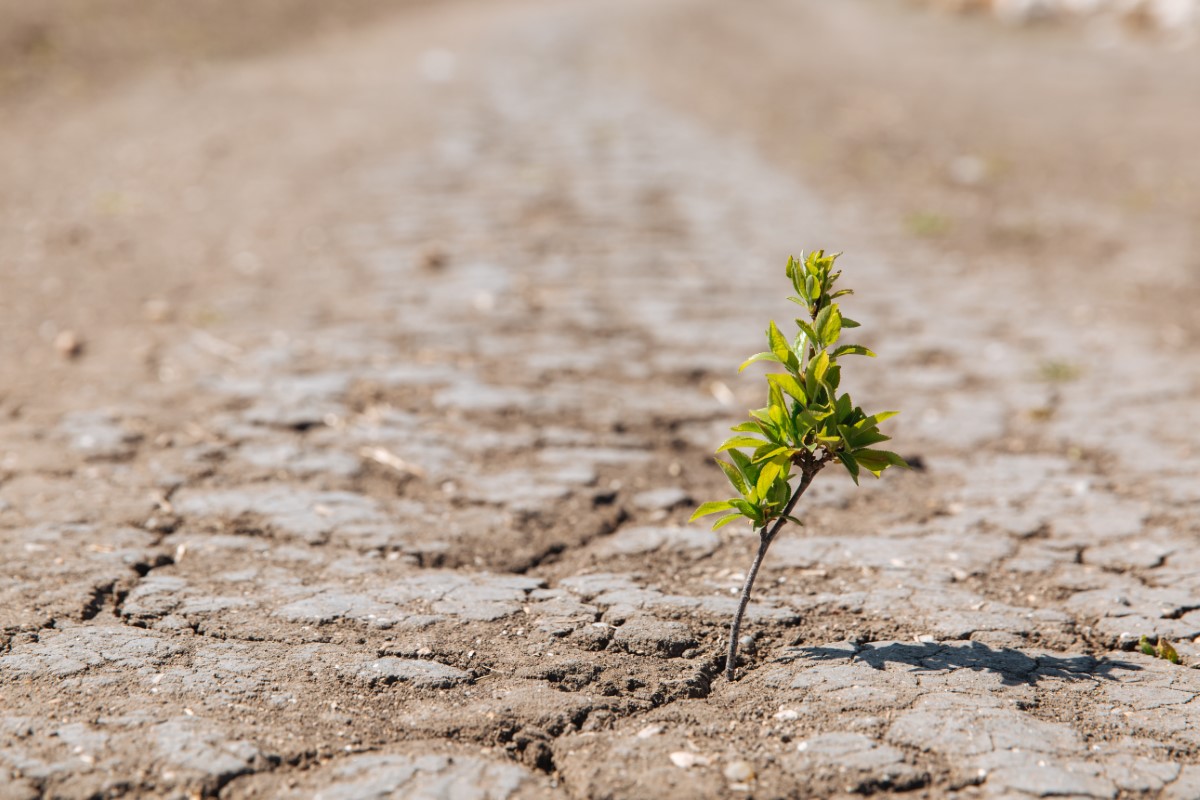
359, 371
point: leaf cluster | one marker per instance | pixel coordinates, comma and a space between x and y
808, 421
1163, 650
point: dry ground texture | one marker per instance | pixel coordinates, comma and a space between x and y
359, 368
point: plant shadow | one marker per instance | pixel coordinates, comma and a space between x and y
1013, 666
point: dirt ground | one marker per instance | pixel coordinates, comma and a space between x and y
360, 365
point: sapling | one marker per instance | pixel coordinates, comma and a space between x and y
805, 425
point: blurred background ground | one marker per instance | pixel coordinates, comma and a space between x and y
1044, 145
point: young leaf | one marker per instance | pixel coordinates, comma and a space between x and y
775, 398
876, 461
808, 420
771, 470
781, 349
1145, 646
829, 324
790, 385
832, 443
781, 491
797, 278
743, 463
750, 511
843, 408
849, 323
745, 466
723, 521
1165, 650
850, 464
833, 376
711, 508
861, 439
734, 474
875, 419
769, 450
852, 350
759, 357
819, 365
815, 372
809, 332
739, 441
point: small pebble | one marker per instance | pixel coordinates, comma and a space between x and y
686, 760
69, 344
739, 771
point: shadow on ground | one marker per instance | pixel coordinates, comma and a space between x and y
1013, 666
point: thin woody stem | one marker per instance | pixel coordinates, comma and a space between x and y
765, 539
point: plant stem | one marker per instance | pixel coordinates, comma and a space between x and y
765, 539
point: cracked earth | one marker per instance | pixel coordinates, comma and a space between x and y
357, 390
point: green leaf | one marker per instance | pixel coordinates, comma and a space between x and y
781, 492
797, 278
1145, 646
788, 383
1165, 650
808, 331
776, 401
876, 461
770, 451
739, 441
748, 427
851, 465
815, 372
723, 521
762, 453
849, 323
749, 510
875, 419
829, 324
748, 468
840, 292
843, 408
861, 439
759, 357
833, 443
852, 350
781, 349
776, 434
808, 420
833, 377
711, 508
734, 474
771, 470
792, 519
